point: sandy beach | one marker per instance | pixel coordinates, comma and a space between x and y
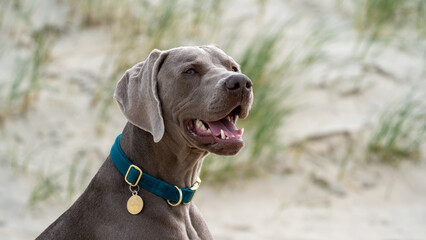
319, 183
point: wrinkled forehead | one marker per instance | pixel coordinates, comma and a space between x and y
203, 54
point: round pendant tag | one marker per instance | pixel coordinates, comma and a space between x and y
134, 204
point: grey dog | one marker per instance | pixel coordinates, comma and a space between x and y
180, 105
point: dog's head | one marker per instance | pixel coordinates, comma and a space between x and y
192, 94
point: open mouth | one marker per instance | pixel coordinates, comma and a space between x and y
209, 132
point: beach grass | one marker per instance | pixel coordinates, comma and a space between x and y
46, 187
399, 133
22, 92
384, 20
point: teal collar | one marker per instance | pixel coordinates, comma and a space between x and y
134, 176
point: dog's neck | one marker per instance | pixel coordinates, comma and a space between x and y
180, 168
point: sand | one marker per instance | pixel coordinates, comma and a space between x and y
307, 195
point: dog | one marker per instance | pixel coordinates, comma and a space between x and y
181, 104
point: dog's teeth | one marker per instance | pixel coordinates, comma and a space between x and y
227, 138
209, 131
222, 134
199, 124
242, 131
228, 118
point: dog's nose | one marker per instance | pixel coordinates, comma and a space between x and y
237, 82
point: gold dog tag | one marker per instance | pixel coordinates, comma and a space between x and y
134, 204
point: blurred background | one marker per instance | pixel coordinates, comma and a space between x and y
335, 143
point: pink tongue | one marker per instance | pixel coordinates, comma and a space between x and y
228, 127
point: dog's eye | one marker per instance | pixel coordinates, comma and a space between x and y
234, 69
190, 71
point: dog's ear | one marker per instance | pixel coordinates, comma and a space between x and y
137, 96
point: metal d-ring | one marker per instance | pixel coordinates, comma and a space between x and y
180, 198
134, 191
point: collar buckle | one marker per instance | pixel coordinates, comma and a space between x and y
194, 187
139, 177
